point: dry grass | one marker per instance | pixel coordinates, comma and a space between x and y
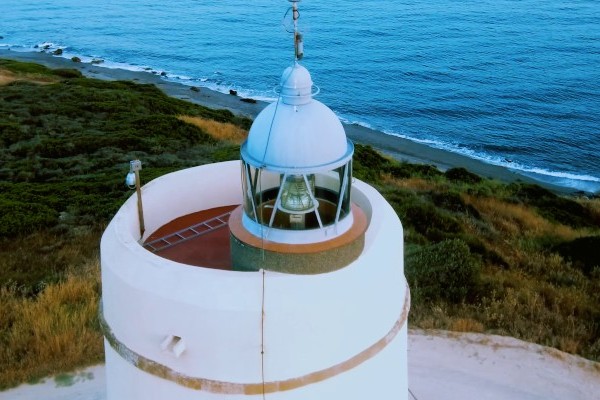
44, 257
533, 294
517, 219
218, 130
7, 77
466, 325
592, 204
53, 332
416, 184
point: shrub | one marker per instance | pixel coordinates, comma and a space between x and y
432, 222
452, 201
20, 217
10, 132
462, 175
445, 271
68, 73
556, 208
24, 67
368, 163
406, 170
583, 252
226, 153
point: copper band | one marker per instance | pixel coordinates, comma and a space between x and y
215, 386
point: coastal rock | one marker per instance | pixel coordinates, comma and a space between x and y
233, 92
195, 89
163, 73
97, 61
46, 47
57, 52
248, 100
76, 59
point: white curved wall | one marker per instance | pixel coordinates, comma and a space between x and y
312, 322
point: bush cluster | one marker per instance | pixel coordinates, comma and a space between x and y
73, 139
442, 271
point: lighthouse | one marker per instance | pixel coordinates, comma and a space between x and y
276, 276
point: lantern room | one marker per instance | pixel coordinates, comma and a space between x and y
297, 167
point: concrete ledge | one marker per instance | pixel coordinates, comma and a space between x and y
250, 253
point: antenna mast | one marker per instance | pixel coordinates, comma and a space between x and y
298, 45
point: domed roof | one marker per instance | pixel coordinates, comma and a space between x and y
296, 85
296, 137
297, 132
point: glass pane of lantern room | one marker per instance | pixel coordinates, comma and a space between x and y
346, 199
248, 178
260, 191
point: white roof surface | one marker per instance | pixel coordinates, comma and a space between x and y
296, 132
296, 85
442, 366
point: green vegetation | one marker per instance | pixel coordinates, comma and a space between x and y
65, 147
511, 259
481, 255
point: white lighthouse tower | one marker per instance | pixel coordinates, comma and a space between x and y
285, 284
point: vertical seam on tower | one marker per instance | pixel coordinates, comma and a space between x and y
262, 336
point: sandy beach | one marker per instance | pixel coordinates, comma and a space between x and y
399, 148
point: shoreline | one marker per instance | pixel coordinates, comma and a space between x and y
399, 148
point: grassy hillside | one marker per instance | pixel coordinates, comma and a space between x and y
480, 255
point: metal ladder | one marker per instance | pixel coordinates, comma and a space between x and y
194, 231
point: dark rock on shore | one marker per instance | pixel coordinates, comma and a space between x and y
76, 59
247, 100
233, 92
57, 52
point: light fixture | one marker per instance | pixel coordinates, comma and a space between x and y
131, 178
297, 198
296, 195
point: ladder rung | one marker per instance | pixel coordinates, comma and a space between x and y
206, 227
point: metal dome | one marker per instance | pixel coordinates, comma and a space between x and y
297, 137
297, 132
296, 85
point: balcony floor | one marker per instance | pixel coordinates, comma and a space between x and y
209, 250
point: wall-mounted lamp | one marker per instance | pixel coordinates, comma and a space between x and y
132, 180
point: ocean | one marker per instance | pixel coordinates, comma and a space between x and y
514, 83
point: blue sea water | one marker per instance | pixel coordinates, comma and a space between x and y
510, 82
